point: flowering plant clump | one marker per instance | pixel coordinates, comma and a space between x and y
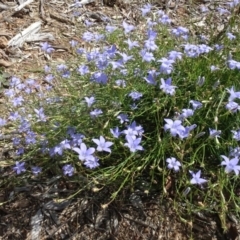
165, 105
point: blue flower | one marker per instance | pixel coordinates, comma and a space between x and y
167, 87
214, 133
102, 144
231, 165
68, 170
115, 132
196, 104
85, 153
135, 95
173, 164
96, 112
36, 170
196, 178
133, 144
89, 101
46, 47
19, 167
127, 27
236, 134
175, 127
91, 163
40, 115
123, 118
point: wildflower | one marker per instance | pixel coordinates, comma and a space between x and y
214, 133
127, 27
150, 79
88, 36
223, 11
236, 134
123, 118
191, 50
116, 64
131, 44
166, 66
120, 83
230, 36
135, 95
185, 133
17, 101
133, 130
213, 68
9, 93
146, 9
203, 48
36, 170
179, 31
102, 144
90, 101
133, 144
200, 81
83, 69
233, 94
47, 69
231, 165
68, 170
46, 47
99, 77
30, 138
19, 167
167, 87
232, 64
164, 19
196, 178
3, 122
174, 55
147, 56
125, 57
73, 43
175, 127
186, 113
49, 78
16, 141
234, 152
61, 68
14, 116
151, 34
173, 164
150, 45
110, 28
196, 104
84, 152
96, 112
20, 151
91, 163
115, 132
40, 115
232, 106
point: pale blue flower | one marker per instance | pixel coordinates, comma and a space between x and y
230, 165
19, 167
236, 134
68, 169
85, 153
167, 87
133, 144
102, 144
173, 163
196, 178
